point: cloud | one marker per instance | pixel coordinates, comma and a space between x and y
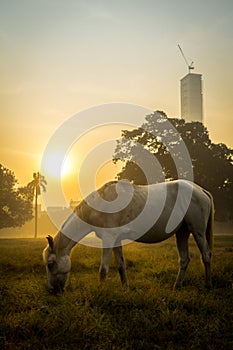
18, 153
96, 11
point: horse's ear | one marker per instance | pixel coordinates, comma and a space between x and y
50, 241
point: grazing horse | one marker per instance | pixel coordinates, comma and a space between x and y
193, 213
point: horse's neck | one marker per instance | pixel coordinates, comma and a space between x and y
63, 244
72, 231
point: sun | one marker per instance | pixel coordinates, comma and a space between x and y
66, 167
57, 165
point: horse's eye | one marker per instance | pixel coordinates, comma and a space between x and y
50, 264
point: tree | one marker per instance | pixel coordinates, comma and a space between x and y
212, 163
35, 186
15, 202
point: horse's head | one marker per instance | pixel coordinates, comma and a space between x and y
58, 265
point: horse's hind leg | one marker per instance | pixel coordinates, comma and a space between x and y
182, 237
104, 267
118, 252
206, 255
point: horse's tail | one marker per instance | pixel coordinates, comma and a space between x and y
210, 224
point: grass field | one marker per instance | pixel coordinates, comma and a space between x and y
147, 315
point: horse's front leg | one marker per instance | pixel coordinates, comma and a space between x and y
104, 266
118, 252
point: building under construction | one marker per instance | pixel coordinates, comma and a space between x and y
191, 98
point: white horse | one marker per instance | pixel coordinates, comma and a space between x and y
194, 214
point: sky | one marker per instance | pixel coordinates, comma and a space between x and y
60, 57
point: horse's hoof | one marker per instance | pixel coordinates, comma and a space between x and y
125, 286
177, 286
208, 286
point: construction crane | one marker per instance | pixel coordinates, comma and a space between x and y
189, 65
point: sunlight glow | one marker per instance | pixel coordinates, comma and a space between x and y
67, 167
54, 161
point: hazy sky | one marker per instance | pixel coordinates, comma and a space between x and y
59, 57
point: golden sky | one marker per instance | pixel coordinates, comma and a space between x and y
59, 57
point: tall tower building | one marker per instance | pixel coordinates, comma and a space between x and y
191, 97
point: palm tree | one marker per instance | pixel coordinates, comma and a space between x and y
35, 186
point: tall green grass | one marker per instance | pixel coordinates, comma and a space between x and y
147, 315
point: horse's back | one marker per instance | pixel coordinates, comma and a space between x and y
180, 201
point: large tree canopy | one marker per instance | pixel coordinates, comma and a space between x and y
212, 163
15, 202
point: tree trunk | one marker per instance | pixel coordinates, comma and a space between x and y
36, 213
